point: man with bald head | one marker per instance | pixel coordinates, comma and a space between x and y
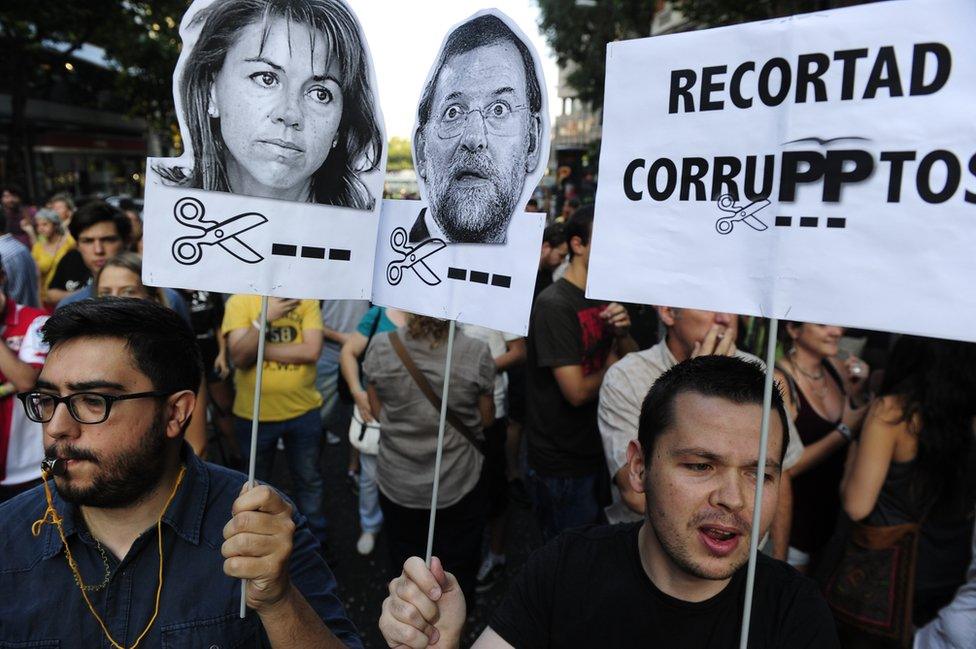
479, 133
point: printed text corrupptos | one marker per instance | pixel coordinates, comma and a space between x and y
936, 176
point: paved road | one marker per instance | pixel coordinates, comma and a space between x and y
362, 580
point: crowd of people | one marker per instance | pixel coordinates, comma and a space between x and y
632, 431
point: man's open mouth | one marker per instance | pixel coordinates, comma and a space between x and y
720, 541
719, 533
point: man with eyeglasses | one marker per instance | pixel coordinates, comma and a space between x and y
139, 541
479, 130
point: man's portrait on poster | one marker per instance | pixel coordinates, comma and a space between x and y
277, 101
481, 133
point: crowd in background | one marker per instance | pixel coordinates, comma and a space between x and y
881, 432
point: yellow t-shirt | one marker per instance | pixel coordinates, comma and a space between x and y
287, 389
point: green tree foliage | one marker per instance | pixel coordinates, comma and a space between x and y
141, 39
399, 158
579, 33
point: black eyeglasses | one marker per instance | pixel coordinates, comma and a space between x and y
84, 407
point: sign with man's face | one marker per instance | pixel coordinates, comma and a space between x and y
278, 190
480, 146
481, 139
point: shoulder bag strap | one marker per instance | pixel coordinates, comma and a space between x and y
424, 386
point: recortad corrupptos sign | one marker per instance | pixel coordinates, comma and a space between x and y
818, 168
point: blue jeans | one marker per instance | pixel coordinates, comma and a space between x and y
370, 514
564, 503
303, 444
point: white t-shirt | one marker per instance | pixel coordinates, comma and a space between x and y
497, 345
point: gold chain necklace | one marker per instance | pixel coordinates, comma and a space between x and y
108, 571
51, 516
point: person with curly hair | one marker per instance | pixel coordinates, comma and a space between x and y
408, 443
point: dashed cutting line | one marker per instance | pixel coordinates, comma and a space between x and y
479, 277
311, 252
811, 222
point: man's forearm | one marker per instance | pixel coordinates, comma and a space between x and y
243, 348
625, 345
21, 374
293, 623
295, 353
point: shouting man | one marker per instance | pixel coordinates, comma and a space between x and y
676, 579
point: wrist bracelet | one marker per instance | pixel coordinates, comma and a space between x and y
845, 431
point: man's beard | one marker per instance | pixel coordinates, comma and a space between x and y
477, 214
120, 481
680, 554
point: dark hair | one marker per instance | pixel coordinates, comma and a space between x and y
17, 190
478, 32
580, 224
736, 380
935, 381
162, 345
359, 145
555, 235
97, 212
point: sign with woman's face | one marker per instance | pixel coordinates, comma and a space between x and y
276, 102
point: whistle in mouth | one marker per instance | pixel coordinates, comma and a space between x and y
54, 466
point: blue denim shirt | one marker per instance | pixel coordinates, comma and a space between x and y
41, 606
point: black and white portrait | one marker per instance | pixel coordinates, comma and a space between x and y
481, 140
277, 99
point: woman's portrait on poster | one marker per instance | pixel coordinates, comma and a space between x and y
277, 102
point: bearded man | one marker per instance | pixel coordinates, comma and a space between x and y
138, 541
479, 133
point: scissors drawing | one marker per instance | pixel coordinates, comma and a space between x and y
412, 257
746, 214
226, 234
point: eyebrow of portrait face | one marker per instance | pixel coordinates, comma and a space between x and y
457, 94
278, 68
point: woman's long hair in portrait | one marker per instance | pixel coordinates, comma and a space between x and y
359, 145
934, 382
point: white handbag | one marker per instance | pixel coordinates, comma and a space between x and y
364, 437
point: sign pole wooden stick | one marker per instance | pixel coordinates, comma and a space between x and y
757, 503
440, 442
256, 412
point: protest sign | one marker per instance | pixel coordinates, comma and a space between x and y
278, 190
467, 252
485, 284
819, 168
